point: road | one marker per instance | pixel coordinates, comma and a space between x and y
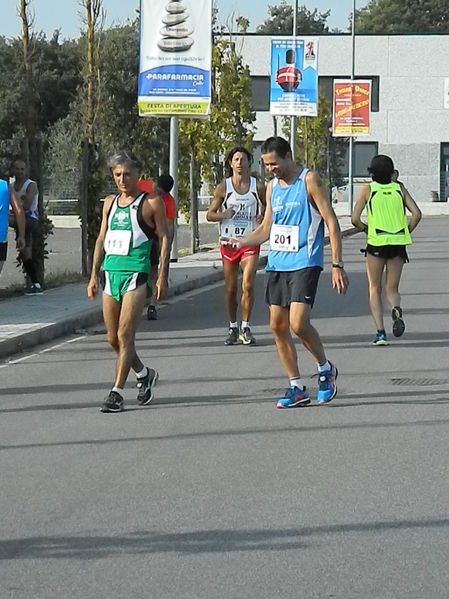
211, 492
64, 252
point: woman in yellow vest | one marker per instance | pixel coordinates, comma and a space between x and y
387, 235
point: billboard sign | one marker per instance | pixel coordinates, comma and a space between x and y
294, 77
175, 58
351, 107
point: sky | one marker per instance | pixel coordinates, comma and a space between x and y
65, 14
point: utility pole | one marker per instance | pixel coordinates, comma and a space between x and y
292, 118
351, 140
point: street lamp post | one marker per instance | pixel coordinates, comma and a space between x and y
292, 118
351, 142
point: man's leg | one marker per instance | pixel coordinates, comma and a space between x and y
27, 255
296, 395
130, 314
280, 326
230, 272
374, 270
303, 329
249, 267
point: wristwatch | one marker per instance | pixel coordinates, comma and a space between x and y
339, 264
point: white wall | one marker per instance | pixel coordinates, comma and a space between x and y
411, 122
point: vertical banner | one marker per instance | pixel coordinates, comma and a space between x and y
294, 77
175, 58
351, 107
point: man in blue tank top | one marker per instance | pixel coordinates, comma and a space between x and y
7, 199
297, 209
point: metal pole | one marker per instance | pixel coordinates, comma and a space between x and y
292, 118
173, 168
351, 141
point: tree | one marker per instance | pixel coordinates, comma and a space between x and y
396, 16
32, 150
314, 144
92, 169
229, 123
119, 124
280, 20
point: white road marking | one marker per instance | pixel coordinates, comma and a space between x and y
42, 351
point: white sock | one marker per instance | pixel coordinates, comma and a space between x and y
142, 373
324, 367
245, 323
117, 390
296, 381
233, 325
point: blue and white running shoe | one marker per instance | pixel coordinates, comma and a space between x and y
294, 398
327, 386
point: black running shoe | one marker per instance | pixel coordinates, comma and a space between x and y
152, 312
233, 336
145, 386
113, 402
398, 323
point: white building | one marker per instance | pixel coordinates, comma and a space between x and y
409, 106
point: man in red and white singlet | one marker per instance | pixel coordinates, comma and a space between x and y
238, 206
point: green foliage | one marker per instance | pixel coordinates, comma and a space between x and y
314, 144
311, 136
280, 20
396, 16
118, 123
229, 124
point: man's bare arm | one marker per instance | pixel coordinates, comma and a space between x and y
20, 218
214, 215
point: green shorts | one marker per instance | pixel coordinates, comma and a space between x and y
117, 283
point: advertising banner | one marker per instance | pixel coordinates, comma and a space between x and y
351, 107
294, 77
175, 58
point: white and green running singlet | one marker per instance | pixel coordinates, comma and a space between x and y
128, 239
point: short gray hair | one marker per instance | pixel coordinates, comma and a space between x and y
124, 157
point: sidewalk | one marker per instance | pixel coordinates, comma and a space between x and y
27, 321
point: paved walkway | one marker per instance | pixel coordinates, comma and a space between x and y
26, 321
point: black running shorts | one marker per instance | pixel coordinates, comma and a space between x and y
3, 251
387, 252
283, 288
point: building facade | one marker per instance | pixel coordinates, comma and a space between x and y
409, 105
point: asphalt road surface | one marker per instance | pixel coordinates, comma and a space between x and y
210, 492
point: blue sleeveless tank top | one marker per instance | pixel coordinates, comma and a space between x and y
4, 207
290, 205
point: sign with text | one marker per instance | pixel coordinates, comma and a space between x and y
294, 77
175, 58
351, 107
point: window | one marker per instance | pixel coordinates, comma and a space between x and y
260, 93
326, 87
364, 151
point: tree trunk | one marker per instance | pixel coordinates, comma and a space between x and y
83, 205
